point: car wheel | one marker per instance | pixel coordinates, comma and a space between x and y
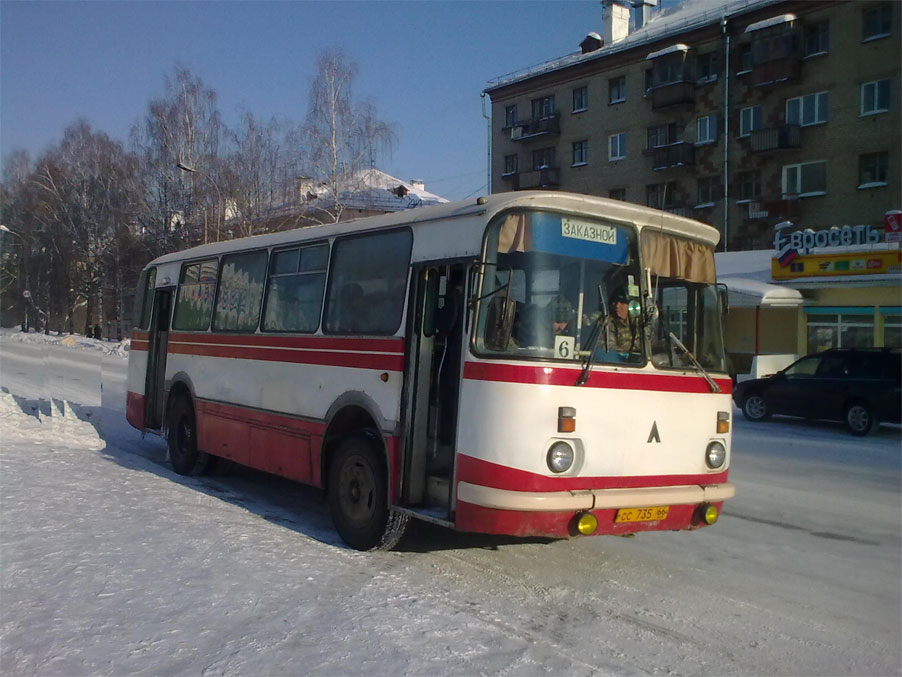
183, 452
755, 408
358, 497
860, 419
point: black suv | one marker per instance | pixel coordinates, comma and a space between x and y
858, 386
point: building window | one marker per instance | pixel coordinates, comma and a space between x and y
543, 158
660, 195
877, 22
543, 107
580, 99
875, 97
872, 169
617, 89
744, 57
617, 194
807, 110
805, 179
892, 331
649, 78
580, 153
817, 38
749, 120
669, 69
749, 185
707, 67
663, 135
511, 117
511, 164
707, 129
840, 330
709, 191
617, 146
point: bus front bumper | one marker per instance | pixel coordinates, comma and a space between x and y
591, 499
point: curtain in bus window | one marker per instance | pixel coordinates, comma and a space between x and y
195, 300
240, 291
294, 298
673, 257
367, 283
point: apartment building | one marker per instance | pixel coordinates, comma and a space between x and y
743, 114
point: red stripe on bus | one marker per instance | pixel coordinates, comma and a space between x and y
322, 357
488, 474
374, 345
562, 376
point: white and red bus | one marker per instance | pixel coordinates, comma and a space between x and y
459, 364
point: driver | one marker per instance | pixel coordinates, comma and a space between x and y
623, 332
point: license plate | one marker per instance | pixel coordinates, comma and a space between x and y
642, 514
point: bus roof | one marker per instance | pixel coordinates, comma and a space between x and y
474, 212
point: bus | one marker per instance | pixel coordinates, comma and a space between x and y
535, 364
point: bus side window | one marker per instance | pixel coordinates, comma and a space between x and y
195, 298
367, 281
294, 294
240, 291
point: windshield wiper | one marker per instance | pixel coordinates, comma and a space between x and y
594, 335
701, 370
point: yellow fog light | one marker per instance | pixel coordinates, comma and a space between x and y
710, 514
587, 524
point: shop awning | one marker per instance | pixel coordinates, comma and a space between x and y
747, 293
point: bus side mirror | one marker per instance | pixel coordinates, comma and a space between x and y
499, 322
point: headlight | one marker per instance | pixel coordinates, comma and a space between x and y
560, 457
715, 455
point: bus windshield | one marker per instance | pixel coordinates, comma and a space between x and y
561, 287
551, 281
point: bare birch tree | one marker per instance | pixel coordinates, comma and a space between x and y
341, 137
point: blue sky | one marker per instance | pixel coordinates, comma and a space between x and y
423, 64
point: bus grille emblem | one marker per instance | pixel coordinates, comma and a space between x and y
653, 435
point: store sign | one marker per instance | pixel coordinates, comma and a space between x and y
892, 226
839, 265
803, 241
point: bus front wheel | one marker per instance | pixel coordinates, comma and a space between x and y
358, 497
183, 452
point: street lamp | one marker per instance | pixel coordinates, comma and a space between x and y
191, 170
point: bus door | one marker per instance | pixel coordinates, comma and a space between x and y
156, 359
433, 373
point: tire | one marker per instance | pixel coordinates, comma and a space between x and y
186, 459
358, 497
860, 419
754, 408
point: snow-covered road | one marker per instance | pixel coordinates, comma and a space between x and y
112, 564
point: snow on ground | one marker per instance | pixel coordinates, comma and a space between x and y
111, 564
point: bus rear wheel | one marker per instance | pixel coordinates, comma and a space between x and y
358, 497
183, 452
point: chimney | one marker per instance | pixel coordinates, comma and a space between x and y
616, 19
417, 184
643, 9
591, 42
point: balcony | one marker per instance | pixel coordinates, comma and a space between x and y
675, 155
672, 94
548, 177
779, 70
783, 137
529, 129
